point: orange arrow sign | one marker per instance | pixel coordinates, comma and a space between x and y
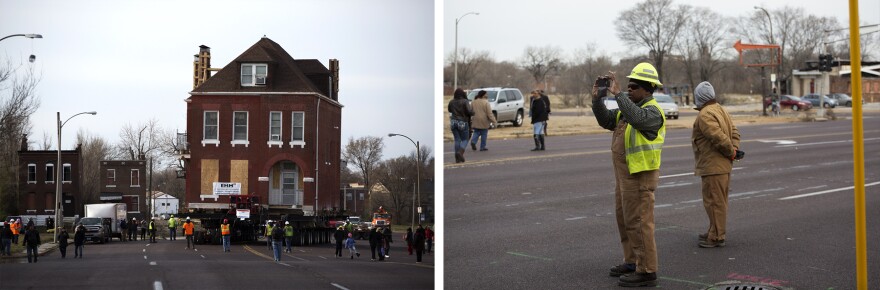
739, 46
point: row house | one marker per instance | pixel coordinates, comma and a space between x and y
38, 170
267, 125
124, 181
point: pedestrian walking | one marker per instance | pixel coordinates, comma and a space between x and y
349, 244
31, 241
482, 120
460, 116
123, 228
143, 227
539, 111
188, 228
639, 130
6, 239
16, 230
429, 239
225, 235
381, 245
288, 236
172, 228
419, 240
374, 242
387, 235
152, 230
408, 237
79, 239
132, 230
269, 227
716, 145
62, 242
339, 236
277, 239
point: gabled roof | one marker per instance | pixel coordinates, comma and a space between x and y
285, 73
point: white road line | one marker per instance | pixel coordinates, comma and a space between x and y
675, 185
322, 257
825, 191
145, 257
298, 258
285, 264
663, 205
301, 251
157, 285
811, 188
691, 173
339, 286
821, 143
203, 256
152, 263
575, 218
145, 250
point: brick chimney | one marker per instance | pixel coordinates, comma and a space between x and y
334, 74
201, 66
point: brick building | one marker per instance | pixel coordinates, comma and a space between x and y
125, 181
37, 177
268, 123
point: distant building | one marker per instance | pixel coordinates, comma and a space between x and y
124, 181
355, 198
164, 204
267, 125
37, 177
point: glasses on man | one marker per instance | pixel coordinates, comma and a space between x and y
633, 87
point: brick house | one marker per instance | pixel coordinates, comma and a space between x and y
37, 177
125, 181
268, 123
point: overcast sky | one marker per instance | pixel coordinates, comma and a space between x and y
132, 60
505, 29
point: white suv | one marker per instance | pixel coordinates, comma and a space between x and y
506, 103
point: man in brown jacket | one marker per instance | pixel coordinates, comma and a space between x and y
716, 142
482, 120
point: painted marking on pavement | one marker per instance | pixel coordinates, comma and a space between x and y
322, 257
152, 263
575, 218
301, 251
684, 281
778, 142
674, 185
145, 250
821, 143
811, 188
663, 205
203, 256
157, 285
148, 245
754, 192
255, 252
295, 257
692, 173
145, 257
528, 256
338, 286
410, 264
825, 191
285, 264
526, 193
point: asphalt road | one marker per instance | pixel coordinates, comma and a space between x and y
526, 220
168, 265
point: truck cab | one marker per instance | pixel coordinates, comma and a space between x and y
97, 229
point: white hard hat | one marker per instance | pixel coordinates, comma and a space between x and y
187, 218
286, 223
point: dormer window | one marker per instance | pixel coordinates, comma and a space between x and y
253, 74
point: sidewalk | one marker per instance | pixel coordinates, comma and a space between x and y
44, 249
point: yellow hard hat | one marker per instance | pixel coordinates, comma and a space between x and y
646, 72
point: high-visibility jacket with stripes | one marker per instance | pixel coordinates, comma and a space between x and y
224, 229
288, 231
643, 154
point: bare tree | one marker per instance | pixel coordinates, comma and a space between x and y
365, 154
703, 45
502, 74
539, 61
46, 143
655, 25
18, 102
583, 68
398, 175
94, 150
469, 62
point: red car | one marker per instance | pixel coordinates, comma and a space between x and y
795, 103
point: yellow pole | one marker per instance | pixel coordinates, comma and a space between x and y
858, 146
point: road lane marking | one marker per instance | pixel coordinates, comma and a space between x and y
145, 250
811, 188
821, 143
575, 218
692, 173
778, 142
285, 264
322, 257
157, 285
528, 256
684, 281
825, 191
255, 252
152, 263
675, 185
295, 257
145, 257
203, 256
663, 205
338, 286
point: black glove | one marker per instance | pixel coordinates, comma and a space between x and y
739, 155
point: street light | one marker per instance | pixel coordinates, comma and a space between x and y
455, 53
59, 178
418, 164
32, 58
774, 81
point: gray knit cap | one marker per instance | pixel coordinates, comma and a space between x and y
703, 93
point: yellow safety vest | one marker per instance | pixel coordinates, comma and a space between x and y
172, 222
268, 230
643, 154
224, 229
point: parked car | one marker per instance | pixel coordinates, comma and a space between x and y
814, 100
670, 108
610, 102
507, 103
787, 101
843, 99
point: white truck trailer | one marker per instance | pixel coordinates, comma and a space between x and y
102, 221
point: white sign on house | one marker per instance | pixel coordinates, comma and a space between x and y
242, 213
227, 188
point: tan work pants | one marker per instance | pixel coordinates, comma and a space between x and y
715, 201
634, 208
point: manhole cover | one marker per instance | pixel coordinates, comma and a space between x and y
737, 285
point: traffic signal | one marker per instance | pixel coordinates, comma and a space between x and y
825, 62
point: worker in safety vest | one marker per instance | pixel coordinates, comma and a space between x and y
152, 230
188, 229
172, 228
639, 128
288, 236
270, 224
225, 234
16, 230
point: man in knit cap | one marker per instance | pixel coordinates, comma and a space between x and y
716, 146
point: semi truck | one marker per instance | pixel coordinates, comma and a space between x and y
102, 221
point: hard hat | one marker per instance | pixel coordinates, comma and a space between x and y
286, 223
172, 215
187, 218
225, 220
646, 72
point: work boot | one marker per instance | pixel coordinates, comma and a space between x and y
537, 143
638, 280
462, 155
474, 146
458, 158
711, 244
622, 269
703, 237
541, 138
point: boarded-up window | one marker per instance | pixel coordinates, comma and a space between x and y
238, 172
210, 174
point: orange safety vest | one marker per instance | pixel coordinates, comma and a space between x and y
224, 229
16, 228
188, 228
